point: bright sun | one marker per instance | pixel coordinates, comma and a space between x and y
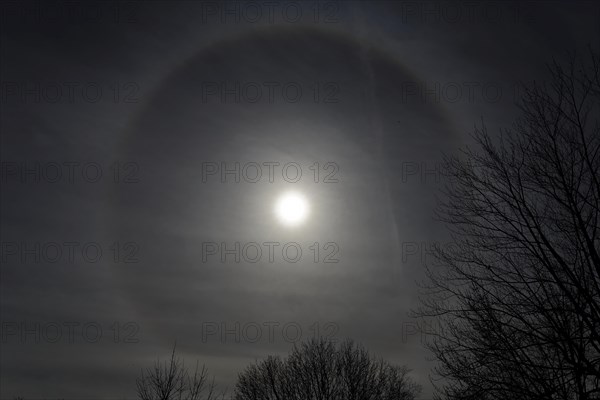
292, 209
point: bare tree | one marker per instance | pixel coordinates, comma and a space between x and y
517, 299
319, 369
172, 381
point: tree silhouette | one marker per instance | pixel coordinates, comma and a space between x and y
517, 298
318, 369
172, 381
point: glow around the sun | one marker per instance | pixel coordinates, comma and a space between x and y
292, 209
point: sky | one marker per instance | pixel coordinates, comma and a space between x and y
144, 146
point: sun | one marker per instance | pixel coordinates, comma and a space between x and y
292, 209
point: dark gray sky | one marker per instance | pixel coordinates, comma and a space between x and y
159, 98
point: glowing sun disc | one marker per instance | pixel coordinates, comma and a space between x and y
292, 209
